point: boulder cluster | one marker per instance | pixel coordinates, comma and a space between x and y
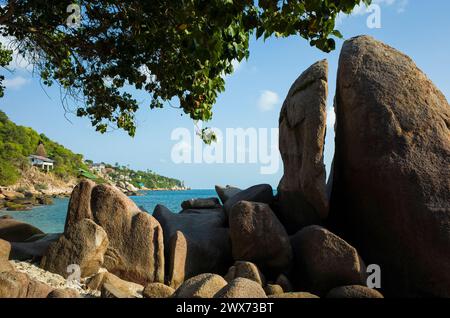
387, 202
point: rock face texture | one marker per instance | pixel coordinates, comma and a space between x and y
5, 249
114, 287
242, 288
5, 266
84, 244
157, 290
258, 236
14, 284
391, 188
302, 198
196, 241
201, 286
323, 261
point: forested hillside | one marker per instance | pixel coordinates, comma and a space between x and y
18, 142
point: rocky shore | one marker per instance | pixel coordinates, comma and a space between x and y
34, 188
379, 228
17, 201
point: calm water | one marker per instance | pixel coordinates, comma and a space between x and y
51, 218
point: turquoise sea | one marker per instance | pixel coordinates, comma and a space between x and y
51, 218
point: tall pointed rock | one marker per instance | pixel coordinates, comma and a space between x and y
302, 198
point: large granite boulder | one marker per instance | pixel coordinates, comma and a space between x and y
302, 198
322, 261
391, 188
112, 286
16, 231
201, 286
84, 244
196, 241
262, 193
258, 236
241, 288
135, 251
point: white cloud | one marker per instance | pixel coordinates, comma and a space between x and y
268, 100
16, 82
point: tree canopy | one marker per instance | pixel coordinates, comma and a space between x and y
179, 51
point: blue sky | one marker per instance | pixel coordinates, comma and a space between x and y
253, 97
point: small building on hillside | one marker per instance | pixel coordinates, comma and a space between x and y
42, 162
40, 159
